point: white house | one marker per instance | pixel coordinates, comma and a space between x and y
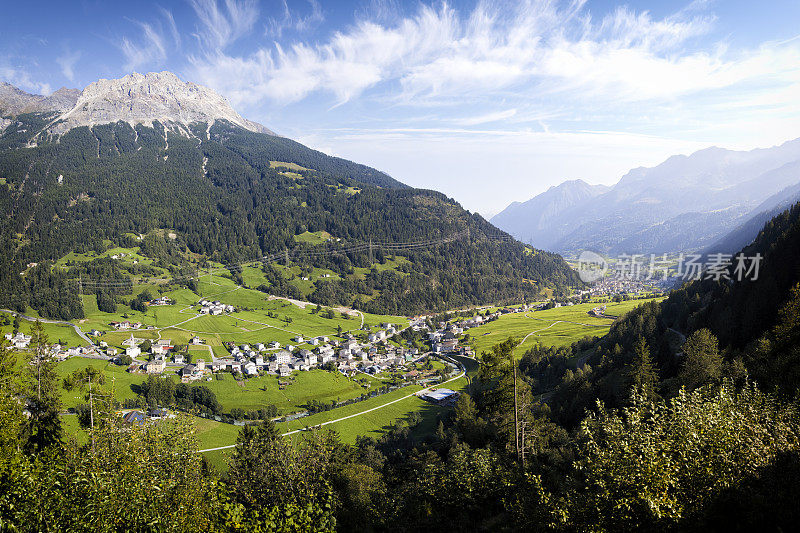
351, 345
283, 357
133, 351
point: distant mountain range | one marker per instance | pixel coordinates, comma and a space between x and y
687, 203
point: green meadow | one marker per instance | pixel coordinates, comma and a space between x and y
557, 327
257, 319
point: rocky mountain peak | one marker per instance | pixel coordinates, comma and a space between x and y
145, 98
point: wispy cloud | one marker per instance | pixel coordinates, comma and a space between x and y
21, 78
526, 49
150, 49
67, 63
173, 28
486, 118
223, 23
291, 20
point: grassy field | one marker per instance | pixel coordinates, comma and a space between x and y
398, 404
116, 377
553, 327
255, 393
283, 164
249, 394
56, 333
252, 322
315, 238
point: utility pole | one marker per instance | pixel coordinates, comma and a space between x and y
91, 410
286, 257
371, 260
516, 408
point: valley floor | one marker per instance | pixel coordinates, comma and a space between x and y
263, 319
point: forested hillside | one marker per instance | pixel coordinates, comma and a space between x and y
641, 430
222, 197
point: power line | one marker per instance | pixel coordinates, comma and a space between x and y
287, 255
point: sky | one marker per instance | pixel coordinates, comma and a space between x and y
488, 102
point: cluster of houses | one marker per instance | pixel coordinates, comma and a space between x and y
20, 341
349, 356
160, 301
126, 325
445, 339
214, 308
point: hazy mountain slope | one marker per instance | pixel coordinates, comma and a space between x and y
747, 232
532, 221
684, 204
14, 101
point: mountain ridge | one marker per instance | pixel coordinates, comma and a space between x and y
687, 201
134, 98
554, 201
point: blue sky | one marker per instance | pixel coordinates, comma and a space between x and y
488, 102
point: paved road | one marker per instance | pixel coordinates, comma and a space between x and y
681, 335
46, 321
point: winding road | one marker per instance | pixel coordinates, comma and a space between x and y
46, 321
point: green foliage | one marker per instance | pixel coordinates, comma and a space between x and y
42, 431
703, 362
657, 466
269, 477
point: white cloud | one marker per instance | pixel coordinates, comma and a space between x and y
488, 117
20, 78
221, 26
151, 47
527, 49
173, 28
149, 50
292, 21
67, 63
